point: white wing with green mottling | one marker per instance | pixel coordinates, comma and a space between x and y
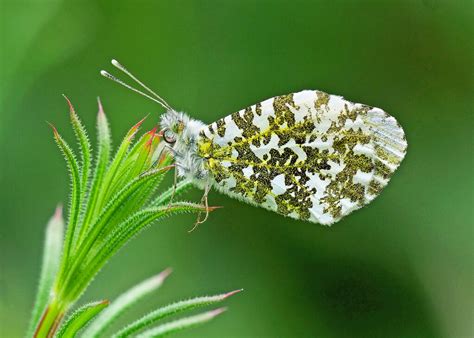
308, 155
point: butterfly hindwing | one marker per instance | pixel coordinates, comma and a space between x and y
307, 155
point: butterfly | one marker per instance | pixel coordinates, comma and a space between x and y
308, 155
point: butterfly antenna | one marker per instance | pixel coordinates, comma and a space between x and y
113, 78
119, 66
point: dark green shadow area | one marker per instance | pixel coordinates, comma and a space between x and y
361, 300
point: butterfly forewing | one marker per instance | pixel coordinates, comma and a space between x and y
307, 155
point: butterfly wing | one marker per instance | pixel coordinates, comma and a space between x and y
307, 155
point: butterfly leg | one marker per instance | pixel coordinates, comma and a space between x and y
161, 156
205, 203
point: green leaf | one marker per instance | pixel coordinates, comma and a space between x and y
113, 169
83, 140
51, 257
181, 324
107, 211
80, 318
169, 310
137, 158
84, 143
73, 167
146, 192
118, 202
93, 236
123, 302
122, 234
137, 147
103, 157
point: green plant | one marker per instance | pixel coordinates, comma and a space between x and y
112, 199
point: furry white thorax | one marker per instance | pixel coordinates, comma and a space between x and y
186, 133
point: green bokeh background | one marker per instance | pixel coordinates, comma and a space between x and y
402, 267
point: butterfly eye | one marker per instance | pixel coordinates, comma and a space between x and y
169, 136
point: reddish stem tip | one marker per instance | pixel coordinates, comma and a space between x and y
58, 213
216, 312
228, 294
152, 136
139, 123
153, 131
164, 274
71, 108
55, 131
214, 208
101, 108
135, 127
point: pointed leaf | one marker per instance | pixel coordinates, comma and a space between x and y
122, 234
169, 310
142, 196
80, 318
138, 159
51, 257
181, 324
119, 201
114, 168
103, 157
83, 140
97, 229
122, 303
73, 167
84, 143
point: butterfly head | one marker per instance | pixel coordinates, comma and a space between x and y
179, 129
181, 133
172, 126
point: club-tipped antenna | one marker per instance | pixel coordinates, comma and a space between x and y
117, 64
154, 97
113, 78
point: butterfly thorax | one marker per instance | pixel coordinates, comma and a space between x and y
181, 133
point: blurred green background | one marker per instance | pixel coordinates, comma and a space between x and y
402, 267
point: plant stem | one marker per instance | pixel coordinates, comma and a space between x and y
50, 319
